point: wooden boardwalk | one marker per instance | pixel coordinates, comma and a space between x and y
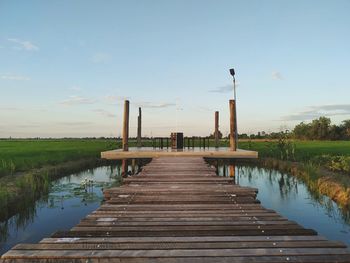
178, 210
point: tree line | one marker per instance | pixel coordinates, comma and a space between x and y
318, 129
322, 129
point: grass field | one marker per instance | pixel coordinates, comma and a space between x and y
23, 155
304, 150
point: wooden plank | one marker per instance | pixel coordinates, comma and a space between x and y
178, 210
155, 253
191, 239
178, 245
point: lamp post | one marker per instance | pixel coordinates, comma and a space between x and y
232, 72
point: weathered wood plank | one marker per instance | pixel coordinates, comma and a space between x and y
178, 210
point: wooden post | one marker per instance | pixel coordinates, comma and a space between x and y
193, 142
133, 164
161, 143
216, 129
139, 144
126, 126
124, 167
233, 143
232, 170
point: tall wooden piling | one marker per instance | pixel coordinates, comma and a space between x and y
216, 129
124, 167
232, 169
139, 120
126, 126
133, 166
233, 128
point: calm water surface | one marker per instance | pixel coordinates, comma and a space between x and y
69, 201
291, 198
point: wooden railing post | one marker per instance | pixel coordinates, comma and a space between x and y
126, 126
233, 128
216, 129
139, 144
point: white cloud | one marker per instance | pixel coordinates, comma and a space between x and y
314, 112
113, 99
277, 75
152, 105
105, 113
23, 44
224, 89
13, 77
101, 57
77, 100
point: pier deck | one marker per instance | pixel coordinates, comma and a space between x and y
178, 210
150, 152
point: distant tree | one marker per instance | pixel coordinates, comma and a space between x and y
212, 136
302, 131
336, 132
320, 128
243, 136
346, 129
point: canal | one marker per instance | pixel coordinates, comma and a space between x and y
73, 197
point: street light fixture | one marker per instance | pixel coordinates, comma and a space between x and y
232, 72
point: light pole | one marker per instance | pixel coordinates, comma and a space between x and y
232, 72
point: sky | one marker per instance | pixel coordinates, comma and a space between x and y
67, 66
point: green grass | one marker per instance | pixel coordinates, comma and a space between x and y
304, 150
23, 155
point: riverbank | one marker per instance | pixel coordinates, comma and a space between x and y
19, 191
320, 180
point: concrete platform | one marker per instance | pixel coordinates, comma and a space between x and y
150, 152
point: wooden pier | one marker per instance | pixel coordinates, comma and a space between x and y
178, 210
149, 152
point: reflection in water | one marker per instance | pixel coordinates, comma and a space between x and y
292, 198
71, 198
61, 206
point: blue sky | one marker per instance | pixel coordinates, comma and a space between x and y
67, 66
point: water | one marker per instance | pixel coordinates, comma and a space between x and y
67, 203
291, 198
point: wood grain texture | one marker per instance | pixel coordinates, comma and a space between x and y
178, 210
